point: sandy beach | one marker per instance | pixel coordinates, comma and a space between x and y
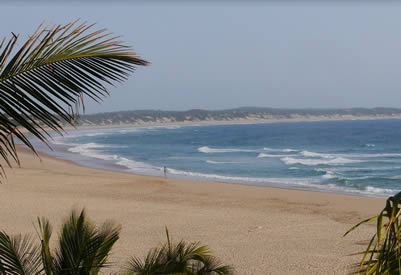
259, 230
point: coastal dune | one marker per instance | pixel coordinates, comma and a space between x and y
258, 230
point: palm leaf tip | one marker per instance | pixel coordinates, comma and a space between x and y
43, 83
84, 246
178, 258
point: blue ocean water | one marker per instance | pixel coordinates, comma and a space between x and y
357, 157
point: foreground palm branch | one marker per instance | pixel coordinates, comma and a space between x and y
383, 254
82, 248
43, 83
180, 258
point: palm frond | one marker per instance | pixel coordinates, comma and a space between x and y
153, 263
383, 253
43, 83
83, 247
19, 255
46, 255
178, 258
210, 265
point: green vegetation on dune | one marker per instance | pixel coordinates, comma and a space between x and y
243, 113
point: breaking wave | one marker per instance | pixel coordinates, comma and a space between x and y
313, 162
208, 150
263, 155
280, 150
369, 167
350, 155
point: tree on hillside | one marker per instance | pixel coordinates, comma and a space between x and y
44, 82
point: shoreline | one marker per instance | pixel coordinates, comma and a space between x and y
257, 229
113, 167
118, 168
108, 165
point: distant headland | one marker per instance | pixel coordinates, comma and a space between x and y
236, 115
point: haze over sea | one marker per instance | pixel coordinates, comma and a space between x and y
360, 157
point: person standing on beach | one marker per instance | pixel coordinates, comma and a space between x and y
165, 171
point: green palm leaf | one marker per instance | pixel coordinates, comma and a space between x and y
19, 255
383, 253
46, 255
179, 258
153, 263
210, 265
43, 83
83, 247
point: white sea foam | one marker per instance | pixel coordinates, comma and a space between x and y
145, 128
95, 134
294, 181
128, 130
85, 146
288, 156
313, 162
88, 149
353, 178
280, 150
397, 177
171, 127
59, 140
368, 168
263, 155
168, 127
350, 155
83, 134
381, 191
208, 150
312, 182
94, 150
314, 154
139, 167
370, 145
329, 175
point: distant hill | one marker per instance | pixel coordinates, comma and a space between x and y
242, 114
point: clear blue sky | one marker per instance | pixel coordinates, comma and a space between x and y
226, 54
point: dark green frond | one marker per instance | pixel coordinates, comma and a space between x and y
179, 258
210, 265
42, 84
46, 255
83, 247
153, 263
383, 253
18, 255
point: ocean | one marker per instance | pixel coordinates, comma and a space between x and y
361, 157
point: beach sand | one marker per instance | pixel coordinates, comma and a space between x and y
259, 230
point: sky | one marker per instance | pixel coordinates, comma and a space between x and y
217, 55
